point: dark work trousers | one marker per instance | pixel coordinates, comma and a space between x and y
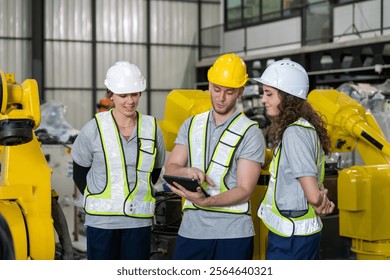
294, 247
118, 244
213, 249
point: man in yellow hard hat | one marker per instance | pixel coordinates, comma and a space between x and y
223, 150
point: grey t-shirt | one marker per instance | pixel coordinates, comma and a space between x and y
200, 224
87, 152
298, 159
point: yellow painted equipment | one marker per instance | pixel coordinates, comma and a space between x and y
180, 105
25, 182
363, 191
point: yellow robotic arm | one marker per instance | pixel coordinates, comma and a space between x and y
363, 191
25, 180
180, 105
350, 126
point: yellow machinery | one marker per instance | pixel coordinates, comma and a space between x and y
180, 105
25, 182
363, 191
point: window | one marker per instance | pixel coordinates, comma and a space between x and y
234, 14
317, 23
241, 13
271, 9
251, 11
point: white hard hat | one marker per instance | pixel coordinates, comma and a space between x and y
287, 76
124, 77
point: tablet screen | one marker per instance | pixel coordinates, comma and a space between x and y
188, 183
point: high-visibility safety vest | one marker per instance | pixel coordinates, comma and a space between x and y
118, 198
221, 158
268, 211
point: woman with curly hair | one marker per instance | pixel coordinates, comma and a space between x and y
295, 197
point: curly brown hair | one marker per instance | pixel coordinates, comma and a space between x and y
294, 108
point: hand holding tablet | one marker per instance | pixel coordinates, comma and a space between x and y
188, 183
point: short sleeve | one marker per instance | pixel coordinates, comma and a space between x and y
299, 145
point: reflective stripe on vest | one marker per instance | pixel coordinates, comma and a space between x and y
221, 158
268, 211
116, 198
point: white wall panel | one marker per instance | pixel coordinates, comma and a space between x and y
68, 64
15, 57
15, 54
15, 19
100, 94
174, 22
121, 35
142, 105
69, 19
342, 23
367, 15
173, 67
158, 105
274, 34
346, 27
386, 18
121, 20
233, 41
110, 53
211, 15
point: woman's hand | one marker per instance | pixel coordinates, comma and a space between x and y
197, 197
326, 207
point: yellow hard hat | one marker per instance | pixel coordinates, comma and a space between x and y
229, 70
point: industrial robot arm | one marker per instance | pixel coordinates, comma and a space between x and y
363, 191
19, 110
25, 181
350, 126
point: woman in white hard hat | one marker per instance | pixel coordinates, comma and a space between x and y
115, 164
295, 197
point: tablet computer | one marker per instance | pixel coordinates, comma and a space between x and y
188, 183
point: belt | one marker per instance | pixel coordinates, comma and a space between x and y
293, 213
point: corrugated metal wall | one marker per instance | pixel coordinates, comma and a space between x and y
121, 34
78, 53
15, 38
68, 57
